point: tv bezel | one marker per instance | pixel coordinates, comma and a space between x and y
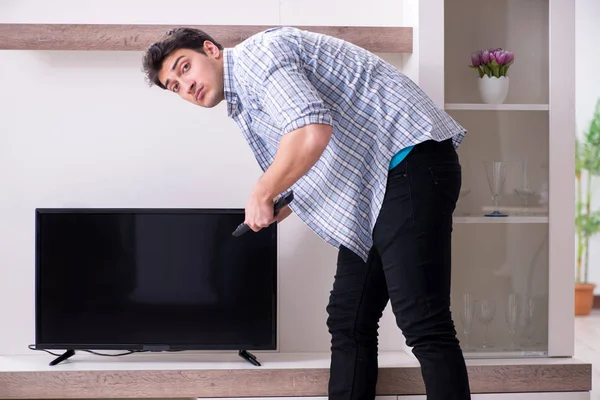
273, 345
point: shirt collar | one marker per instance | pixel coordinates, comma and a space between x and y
229, 84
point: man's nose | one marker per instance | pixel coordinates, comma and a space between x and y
189, 87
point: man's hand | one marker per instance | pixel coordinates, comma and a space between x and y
258, 216
259, 211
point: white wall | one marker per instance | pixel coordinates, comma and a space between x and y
83, 129
587, 93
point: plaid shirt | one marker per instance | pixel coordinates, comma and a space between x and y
284, 78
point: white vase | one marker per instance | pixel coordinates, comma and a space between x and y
493, 90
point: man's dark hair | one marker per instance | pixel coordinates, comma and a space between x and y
175, 39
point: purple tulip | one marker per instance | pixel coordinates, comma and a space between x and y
501, 57
510, 56
492, 62
485, 57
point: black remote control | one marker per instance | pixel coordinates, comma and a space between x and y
277, 206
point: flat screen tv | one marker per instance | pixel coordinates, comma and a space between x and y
153, 280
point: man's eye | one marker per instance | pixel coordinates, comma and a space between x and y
186, 66
175, 87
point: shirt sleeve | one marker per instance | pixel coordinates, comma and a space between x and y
275, 71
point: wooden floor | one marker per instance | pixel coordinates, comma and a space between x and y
587, 347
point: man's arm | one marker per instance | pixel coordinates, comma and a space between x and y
298, 151
274, 70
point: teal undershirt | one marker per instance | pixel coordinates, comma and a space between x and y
399, 156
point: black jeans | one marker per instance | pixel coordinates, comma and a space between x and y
409, 265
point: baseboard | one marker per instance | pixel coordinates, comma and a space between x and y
596, 301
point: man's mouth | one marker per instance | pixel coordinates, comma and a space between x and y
199, 93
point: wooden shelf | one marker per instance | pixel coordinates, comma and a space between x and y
501, 220
496, 107
139, 37
281, 375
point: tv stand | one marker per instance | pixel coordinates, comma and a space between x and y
251, 358
67, 354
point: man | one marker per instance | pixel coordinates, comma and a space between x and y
374, 170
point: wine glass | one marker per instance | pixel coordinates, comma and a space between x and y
496, 176
486, 310
529, 313
466, 317
512, 317
525, 192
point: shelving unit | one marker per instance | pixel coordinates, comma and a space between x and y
291, 376
496, 107
501, 220
527, 256
136, 37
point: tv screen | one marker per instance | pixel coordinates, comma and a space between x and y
169, 279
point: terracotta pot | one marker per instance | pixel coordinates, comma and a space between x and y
584, 298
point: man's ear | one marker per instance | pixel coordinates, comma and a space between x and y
211, 49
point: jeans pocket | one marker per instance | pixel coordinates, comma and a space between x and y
396, 212
447, 180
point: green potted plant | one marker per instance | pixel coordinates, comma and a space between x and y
587, 221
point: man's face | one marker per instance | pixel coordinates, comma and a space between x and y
196, 77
